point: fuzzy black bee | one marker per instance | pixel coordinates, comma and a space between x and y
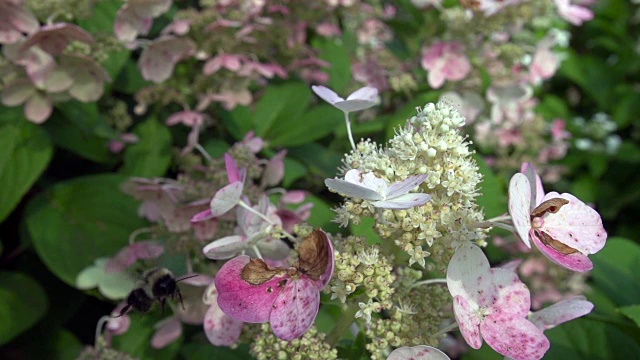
156, 284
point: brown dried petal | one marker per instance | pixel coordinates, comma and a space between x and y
314, 254
257, 272
549, 206
557, 245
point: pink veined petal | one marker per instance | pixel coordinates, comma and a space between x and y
561, 312
233, 173
402, 187
537, 191
168, 332
326, 94
514, 337
507, 295
420, 352
350, 189
405, 201
468, 321
241, 300
468, 272
575, 262
365, 93
519, 206
274, 171
225, 248
226, 198
220, 328
295, 309
575, 225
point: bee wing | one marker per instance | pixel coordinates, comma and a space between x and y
295, 309
242, 300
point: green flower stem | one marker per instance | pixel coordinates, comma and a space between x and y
346, 319
348, 122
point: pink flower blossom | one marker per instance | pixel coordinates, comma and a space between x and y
328, 29
574, 14
229, 99
178, 27
367, 186
15, 22
544, 65
167, 331
420, 352
371, 72
289, 298
274, 170
253, 142
136, 17
186, 117
88, 77
38, 63
445, 61
561, 226
54, 38
37, 104
492, 304
160, 57
231, 62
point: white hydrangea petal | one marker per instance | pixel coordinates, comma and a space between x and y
519, 206
326, 94
468, 272
405, 201
364, 93
420, 352
354, 105
404, 186
561, 312
350, 189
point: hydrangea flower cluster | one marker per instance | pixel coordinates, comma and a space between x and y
430, 144
310, 346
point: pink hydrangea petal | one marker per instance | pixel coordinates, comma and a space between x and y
17, 92
158, 60
406, 201
519, 206
168, 332
225, 248
406, 185
226, 198
220, 328
537, 191
420, 352
468, 321
575, 261
294, 197
507, 295
514, 337
132, 253
274, 171
435, 79
241, 300
153, 8
202, 216
575, 225
129, 25
38, 108
295, 309
326, 94
233, 172
561, 312
468, 272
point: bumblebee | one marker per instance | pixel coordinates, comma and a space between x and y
156, 284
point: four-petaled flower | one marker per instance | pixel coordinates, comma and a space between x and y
492, 304
367, 186
251, 291
561, 226
360, 99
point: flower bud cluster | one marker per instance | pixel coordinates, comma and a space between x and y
430, 143
414, 318
101, 351
360, 265
267, 346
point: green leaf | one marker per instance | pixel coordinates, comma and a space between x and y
206, 351
321, 214
353, 349
552, 107
281, 104
239, 121
615, 271
299, 130
294, 170
137, 341
365, 229
494, 195
626, 109
318, 159
26, 152
79, 128
151, 156
22, 303
335, 53
79, 220
129, 79
589, 339
632, 312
